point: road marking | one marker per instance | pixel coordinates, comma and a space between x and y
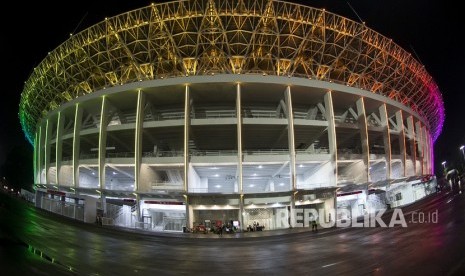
328, 265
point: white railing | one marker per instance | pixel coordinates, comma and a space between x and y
266, 152
166, 185
120, 154
304, 116
215, 114
310, 186
312, 151
262, 114
212, 152
171, 153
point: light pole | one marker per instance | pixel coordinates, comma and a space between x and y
444, 168
463, 155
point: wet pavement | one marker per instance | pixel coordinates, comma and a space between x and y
85, 249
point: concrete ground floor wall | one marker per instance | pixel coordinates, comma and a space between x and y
363, 200
178, 212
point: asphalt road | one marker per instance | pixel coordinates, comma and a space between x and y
426, 248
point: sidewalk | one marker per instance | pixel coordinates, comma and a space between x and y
238, 235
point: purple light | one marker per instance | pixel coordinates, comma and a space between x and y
439, 105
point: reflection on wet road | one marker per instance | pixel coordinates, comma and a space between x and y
419, 249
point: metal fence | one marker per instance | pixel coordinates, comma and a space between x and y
67, 209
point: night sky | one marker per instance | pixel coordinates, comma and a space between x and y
432, 28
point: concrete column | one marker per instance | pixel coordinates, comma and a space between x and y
362, 124
386, 138
59, 145
329, 114
190, 215
41, 153
138, 138
138, 213
400, 128
426, 155
241, 212
102, 144
431, 154
36, 146
425, 150
291, 140
48, 135
187, 121
76, 143
239, 141
188, 218
419, 132
335, 205
239, 155
411, 133
103, 202
292, 210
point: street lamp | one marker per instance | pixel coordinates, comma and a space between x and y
462, 149
444, 164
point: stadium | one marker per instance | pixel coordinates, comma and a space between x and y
208, 112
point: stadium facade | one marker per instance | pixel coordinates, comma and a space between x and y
195, 111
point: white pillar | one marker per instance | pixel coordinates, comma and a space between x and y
420, 157
36, 163
329, 114
48, 134
239, 154
59, 145
425, 150
291, 139
138, 138
188, 218
41, 153
362, 124
412, 139
76, 143
239, 137
187, 121
386, 138
292, 210
431, 154
400, 128
102, 144
241, 212
138, 146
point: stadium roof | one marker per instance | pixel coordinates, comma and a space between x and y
201, 37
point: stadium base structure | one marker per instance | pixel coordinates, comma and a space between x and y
229, 112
